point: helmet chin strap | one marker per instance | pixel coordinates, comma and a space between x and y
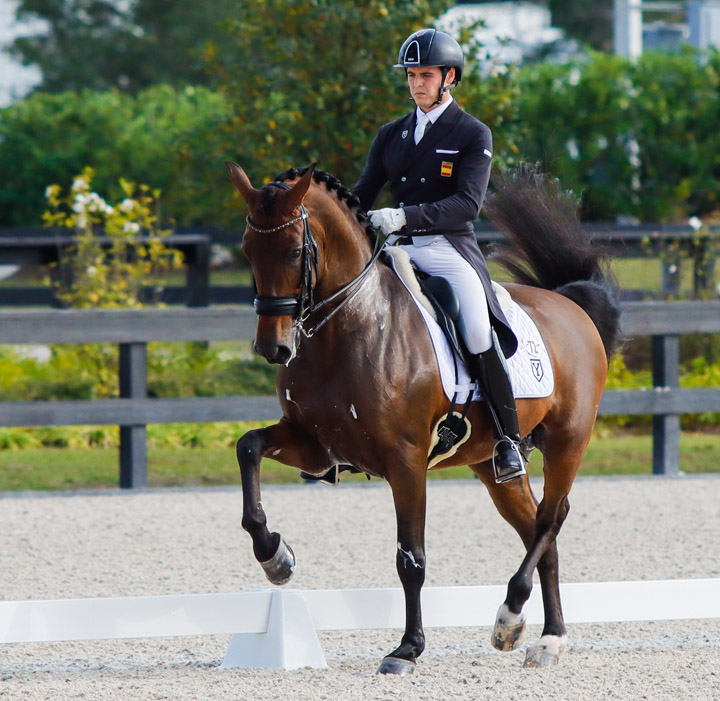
445, 70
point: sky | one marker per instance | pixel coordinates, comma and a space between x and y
15, 79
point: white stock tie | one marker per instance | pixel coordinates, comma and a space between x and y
420, 127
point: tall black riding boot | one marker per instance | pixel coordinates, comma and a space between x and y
492, 374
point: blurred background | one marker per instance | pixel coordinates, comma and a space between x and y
108, 102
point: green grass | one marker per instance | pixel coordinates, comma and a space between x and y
68, 468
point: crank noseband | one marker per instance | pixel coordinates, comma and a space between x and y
271, 305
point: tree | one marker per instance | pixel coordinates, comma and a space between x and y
313, 81
103, 44
589, 21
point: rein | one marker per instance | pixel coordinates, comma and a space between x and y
302, 306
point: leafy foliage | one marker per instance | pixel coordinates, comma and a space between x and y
317, 85
171, 139
101, 44
636, 138
590, 21
96, 275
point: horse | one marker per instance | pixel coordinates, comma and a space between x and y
358, 381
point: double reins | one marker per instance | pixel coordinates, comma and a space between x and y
303, 305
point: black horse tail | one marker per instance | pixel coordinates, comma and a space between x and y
549, 247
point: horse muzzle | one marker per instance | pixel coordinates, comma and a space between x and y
274, 339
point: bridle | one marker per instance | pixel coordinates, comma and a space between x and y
303, 305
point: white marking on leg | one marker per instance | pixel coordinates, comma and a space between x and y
508, 618
352, 411
546, 651
409, 557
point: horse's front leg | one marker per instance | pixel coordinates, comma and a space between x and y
409, 495
288, 445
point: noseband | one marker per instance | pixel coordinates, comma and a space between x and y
301, 306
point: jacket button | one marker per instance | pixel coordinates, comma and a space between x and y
422, 180
403, 179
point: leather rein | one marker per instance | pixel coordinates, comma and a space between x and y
303, 305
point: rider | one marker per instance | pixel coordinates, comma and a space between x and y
437, 161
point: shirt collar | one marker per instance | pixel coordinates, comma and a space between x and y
433, 115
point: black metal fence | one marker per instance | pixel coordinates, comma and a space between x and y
673, 247
665, 322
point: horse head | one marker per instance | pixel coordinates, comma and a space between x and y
274, 243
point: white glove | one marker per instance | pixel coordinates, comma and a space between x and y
388, 220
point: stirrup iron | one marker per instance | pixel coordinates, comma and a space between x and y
506, 476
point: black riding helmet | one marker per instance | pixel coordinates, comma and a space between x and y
429, 47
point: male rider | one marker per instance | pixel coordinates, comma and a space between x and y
437, 161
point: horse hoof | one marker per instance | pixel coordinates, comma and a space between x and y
280, 567
396, 665
509, 631
546, 651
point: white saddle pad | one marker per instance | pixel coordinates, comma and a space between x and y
531, 372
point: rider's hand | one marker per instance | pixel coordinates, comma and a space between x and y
388, 220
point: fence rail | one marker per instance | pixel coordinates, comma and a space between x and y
132, 330
672, 245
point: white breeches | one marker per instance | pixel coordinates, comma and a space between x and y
440, 258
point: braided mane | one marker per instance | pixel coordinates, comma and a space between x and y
343, 194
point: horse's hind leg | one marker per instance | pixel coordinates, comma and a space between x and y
290, 446
515, 502
538, 529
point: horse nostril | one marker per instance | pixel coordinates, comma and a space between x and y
278, 354
283, 354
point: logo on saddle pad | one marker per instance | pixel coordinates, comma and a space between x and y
537, 369
532, 347
446, 169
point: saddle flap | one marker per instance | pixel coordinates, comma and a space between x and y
447, 309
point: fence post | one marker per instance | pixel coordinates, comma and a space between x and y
666, 427
133, 439
198, 275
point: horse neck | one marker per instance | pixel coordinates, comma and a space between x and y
346, 250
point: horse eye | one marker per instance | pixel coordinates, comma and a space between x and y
294, 254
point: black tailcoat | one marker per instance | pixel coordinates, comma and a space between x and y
440, 183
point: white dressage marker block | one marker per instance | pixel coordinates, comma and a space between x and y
290, 641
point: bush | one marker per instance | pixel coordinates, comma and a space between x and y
171, 139
636, 138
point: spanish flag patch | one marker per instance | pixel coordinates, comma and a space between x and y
446, 169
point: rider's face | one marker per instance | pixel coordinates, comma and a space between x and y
424, 83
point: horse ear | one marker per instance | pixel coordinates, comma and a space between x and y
294, 197
242, 184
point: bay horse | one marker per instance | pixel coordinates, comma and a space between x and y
358, 381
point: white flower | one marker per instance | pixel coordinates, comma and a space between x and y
572, 149
127, 205
96, 203
80, 202
79, 184
695, 223
108, 209
131, 227
91, 270
49, 191
574, 77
